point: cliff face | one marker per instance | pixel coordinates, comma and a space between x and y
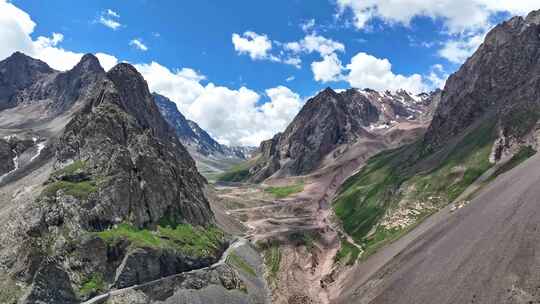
331, 119
121, 137
500, 80
110, 198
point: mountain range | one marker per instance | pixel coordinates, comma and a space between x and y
366, 196
330, 121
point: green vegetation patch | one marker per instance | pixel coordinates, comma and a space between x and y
71, 168
235, 260
93, 285
285, 191
80, 190
237, 173
392, 177
521, 121
347, 254
522, 155
10, 292
184, 238
305, 238
272, 259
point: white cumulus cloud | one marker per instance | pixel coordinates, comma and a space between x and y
458, 49
138, 44
255, 45
315, 43
465, 21
437, 76
110, 19
457, 15
367, 71
112, 13
237, 117
16, 27
329, 69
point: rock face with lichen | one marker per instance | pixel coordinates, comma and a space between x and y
113, 163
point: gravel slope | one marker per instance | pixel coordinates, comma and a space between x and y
486, 252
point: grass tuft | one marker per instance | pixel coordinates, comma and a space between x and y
93, 285
285, 191
235, 260
184, 238
347, 254
80, 190
71, 168
272, 259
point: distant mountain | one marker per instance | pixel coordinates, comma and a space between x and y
210, 156
332, 119
194, 137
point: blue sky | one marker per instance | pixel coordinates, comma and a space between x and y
243, 90
197, 34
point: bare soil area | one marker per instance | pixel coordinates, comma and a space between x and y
301, 229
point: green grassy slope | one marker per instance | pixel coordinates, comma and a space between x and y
239, 172
396, 182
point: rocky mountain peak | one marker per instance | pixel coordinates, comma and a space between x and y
124, 74
326, 95
135, 98
328, 91
130, 82
533, 17
89, 63
20, 59
18, 72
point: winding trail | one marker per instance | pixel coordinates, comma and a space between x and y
304, 272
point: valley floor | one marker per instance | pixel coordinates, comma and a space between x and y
297, 233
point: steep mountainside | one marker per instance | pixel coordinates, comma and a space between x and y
206, 151
96, 191
330, 120
480, 253
486, 122
18, 72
